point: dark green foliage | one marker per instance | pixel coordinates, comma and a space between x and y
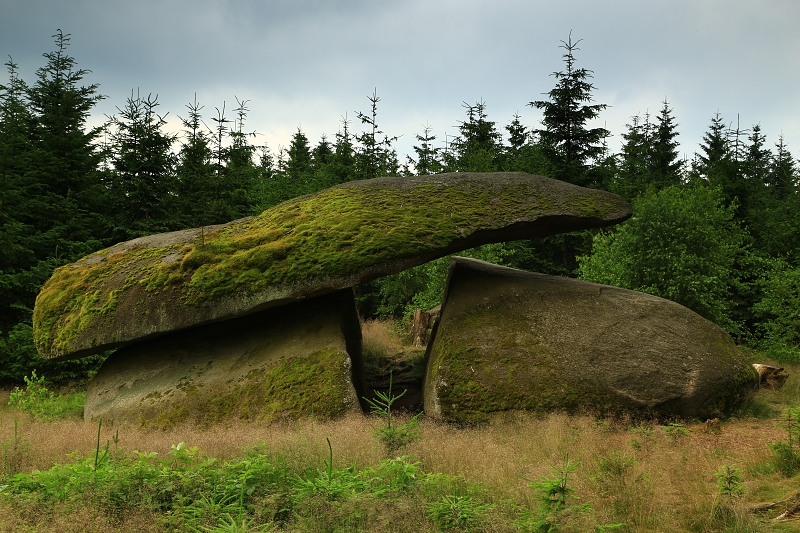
649, 157
53, 197
568, 144
143, 180
477, 148
195, 171
681, 244
428, 159
63, 195
778, 309
375, 156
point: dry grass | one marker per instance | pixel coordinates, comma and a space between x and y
642, 476
380, 336
633, 473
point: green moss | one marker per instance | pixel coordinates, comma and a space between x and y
76, 295
316, 384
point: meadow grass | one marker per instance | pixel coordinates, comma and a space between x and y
644, 475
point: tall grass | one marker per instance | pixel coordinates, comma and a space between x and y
647, 476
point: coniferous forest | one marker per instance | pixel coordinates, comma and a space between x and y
719, 233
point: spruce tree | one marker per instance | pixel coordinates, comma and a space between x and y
342, 165
635, 161
52, 199
478, 146
375, 155
143, 182
665, 163
568, 143
782, 176
298, 166
195, 172
427, 161
240, 176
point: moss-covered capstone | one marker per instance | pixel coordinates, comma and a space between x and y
313, 245
508, 339
295, 361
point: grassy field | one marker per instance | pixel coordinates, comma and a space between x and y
519, 472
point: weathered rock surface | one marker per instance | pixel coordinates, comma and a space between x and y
508, 339
290, 362
327, 241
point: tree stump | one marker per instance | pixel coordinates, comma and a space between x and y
771, 377
419, 329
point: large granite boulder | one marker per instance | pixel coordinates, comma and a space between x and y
298, 360
309, 246
508, 339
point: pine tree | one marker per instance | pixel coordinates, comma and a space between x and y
635, 161
566, 141
375, 156
322, 157
240, 175
64, 160
343, 162
715, 150
195, 172
782, 177
52, 199
298, 166
665, 163
143, 182
427, 161
478, 145
15, 121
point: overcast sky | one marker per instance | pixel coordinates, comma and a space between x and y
307, 63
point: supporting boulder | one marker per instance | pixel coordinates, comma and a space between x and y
295, 361
508, 339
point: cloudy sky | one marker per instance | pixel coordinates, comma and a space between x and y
308, 63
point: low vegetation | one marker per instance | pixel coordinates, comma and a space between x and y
391, 472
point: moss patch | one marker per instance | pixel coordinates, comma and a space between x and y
312, 385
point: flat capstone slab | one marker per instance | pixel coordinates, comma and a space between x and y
327, 241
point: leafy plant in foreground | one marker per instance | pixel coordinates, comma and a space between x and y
332, 484
41, 403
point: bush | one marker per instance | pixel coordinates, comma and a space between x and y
41, 403
681, 244
779, 311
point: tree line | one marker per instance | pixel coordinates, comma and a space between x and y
719, 233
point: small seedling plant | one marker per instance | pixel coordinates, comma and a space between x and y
787, 453
392, 435
553, 514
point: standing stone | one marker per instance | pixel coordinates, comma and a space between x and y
508, 339
288, 362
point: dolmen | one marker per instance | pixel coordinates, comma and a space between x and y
507, 339
255, 318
